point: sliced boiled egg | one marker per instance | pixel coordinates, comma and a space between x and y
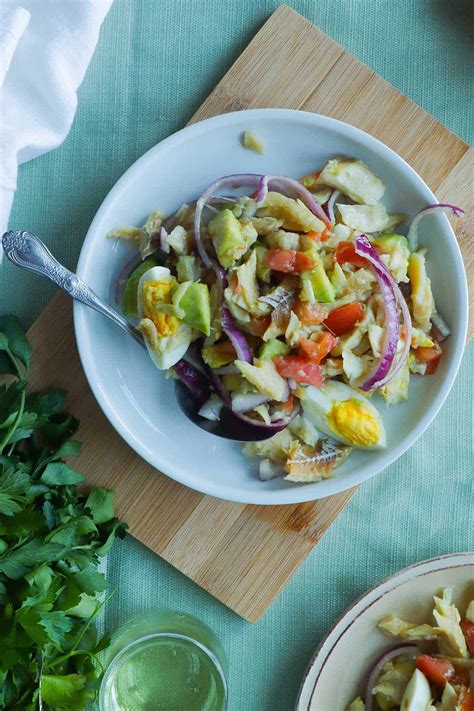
417, 696
167, 338
344, 414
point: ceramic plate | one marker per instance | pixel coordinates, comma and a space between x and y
409, 595
139, 401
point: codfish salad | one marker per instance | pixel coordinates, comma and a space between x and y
289, 303
433, 667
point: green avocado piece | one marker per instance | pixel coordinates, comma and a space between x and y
273, 348
389, 240
130, 293
317, 283
229, 239
195, 306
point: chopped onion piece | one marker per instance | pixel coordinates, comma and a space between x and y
164, 246
330, 205
193, 379
211, 409
441, 326
262, 191
243, 402
429, 210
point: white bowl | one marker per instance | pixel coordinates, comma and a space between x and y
139, 401
409, 595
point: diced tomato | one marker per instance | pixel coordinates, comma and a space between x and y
319, 236
344, 318
318, 346
345, 252
310, 314
288, 260
461, 677
431, 356
303, 262
467, 700
438, 671
300, 369
468, 631
258, 326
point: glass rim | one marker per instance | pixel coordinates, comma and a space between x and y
173, 635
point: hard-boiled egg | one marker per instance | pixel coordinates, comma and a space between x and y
344, 414
167, 338
417, 696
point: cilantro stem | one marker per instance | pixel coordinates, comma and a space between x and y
89, 621
75, 653
9, 434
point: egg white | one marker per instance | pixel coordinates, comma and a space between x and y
170, 348
318, 402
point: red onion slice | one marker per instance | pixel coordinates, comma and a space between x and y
262, 191
409, 649
193, 379
429, 210
379, 374
235, 336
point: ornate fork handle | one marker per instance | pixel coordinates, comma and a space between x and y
28, 251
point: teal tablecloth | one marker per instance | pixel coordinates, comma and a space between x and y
155, 63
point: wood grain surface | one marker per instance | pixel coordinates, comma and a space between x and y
241, 554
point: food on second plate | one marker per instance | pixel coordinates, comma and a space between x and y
295, 313
432, 669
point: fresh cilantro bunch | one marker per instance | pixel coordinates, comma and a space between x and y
52, 536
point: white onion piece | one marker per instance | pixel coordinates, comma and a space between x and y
269, 470
164, 246
243, 402
330, 205
441, 326
409, 649
429, 210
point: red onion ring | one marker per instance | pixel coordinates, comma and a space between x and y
261, 183
379, 374
235, 336
243, 402
411, 649
330, 205
429, 210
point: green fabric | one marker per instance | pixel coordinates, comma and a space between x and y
154, 65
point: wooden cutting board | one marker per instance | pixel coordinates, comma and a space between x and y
241, 554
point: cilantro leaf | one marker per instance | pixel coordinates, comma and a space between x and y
18, 344
60, 474
101, 504
17, 562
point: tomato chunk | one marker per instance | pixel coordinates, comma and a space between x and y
344, 318
467, 700
289, 260
431, 356
317, 347
300, 369
345, 252
311, 314
438, 671
468, 631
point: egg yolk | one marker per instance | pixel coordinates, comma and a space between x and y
154, 295
354, 421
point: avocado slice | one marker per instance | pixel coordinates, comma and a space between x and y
316, 283
130, 293
230, 240
273, 348
192, 300
389, 240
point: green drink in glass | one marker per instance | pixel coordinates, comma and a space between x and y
165, 661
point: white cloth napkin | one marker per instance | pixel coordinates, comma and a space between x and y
45, 49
